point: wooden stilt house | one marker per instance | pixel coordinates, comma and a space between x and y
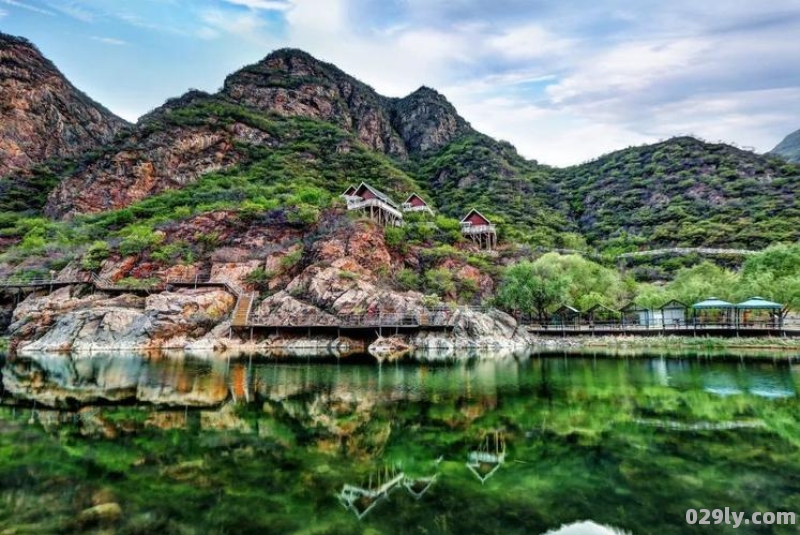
415, 203
374, 204
479, 229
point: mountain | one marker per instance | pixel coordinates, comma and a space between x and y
285, 98
199, 133
684, 192
789, 148
42, 115
291, 122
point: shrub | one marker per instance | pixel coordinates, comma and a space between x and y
94, 256
440, 281
407, 279
138, 238
431, 301
394, 236
291, 260
259, 278
303, 214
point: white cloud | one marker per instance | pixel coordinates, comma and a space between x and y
268, 5
28, 7
529, 42
246, 25
108, 40
3, 13
563, 83
74, 10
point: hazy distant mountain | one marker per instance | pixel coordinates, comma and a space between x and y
789, 148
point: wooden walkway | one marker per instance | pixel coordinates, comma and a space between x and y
21, 284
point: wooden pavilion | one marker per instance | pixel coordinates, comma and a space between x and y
750, 313
636, 314
479, 229
375, 204
713, 311
565, 316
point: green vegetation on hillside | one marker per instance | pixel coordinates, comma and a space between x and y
519, 196
290, 182
684, 192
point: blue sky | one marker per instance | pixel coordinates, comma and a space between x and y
564, 80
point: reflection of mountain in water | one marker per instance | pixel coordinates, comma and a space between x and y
65, 381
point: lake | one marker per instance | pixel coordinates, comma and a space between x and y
564, 444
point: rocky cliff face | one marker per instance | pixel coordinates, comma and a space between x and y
427, 121
343, 271
149, 161
42, 115
293, 83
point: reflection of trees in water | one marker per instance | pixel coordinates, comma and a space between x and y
302, 431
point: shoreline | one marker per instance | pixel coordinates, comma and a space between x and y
689, 342
750, 349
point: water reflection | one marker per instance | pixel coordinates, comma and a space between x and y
586, 528
69, 381
209, 446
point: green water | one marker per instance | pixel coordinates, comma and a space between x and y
593, 445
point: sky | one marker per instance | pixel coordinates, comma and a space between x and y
565, 81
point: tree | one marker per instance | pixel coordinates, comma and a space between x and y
701, 282
532, 287
773, 274
589, 283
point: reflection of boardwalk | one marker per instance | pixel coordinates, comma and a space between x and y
362, 500
419, 486
486, 460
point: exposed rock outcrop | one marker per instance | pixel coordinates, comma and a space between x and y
42, 115
66, 321
150, 161
427, 121
292, 82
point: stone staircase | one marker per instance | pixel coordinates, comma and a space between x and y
241, 312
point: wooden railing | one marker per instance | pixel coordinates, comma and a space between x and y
688, 326
358, 203
384, 319
478, 229
29, 283
408, 207
688, 250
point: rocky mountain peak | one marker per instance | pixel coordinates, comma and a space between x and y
291, 82
42, 115
427, 121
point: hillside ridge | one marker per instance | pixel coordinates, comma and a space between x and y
42, 115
